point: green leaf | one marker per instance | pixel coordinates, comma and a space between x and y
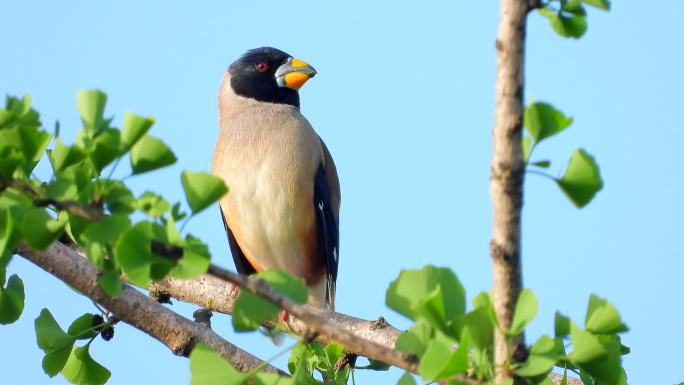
585, 377
18, 112
11, 198
53, 341
176, 212
134, 128
478, 329
582, 179
406, 379
107, 231
10, 159
202, 189
62, 189
542, 120
33, 145
11, 300
6, 229
49, 334
63, 156
561, 325
335, 352
542, 164
195, 259
297, 355
434, 294
111, 284
134, 254
439, 361
564, 380
30, 142
39, 229
250, 311
98, 237
263, 378
603, 318
526, 148
150, 153
525, 311
565, 24
573, 6
587, 347
377, 365
208, 368
91, 104
542, 357
54, 362
484, 301
155, 206
601, 4
119, 199
607, 369
81, 369
79, 328
107, 148
415, 339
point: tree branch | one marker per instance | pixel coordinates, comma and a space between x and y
321, 323
211, 292
507, 177
180, 334
134, 308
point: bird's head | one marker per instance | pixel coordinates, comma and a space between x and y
269, 75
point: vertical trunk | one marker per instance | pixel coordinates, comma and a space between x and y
507, 176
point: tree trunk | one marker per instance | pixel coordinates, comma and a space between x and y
507, 176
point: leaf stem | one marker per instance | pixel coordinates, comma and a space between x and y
111, 171
185, 222
99, 308
266, 362
541, 173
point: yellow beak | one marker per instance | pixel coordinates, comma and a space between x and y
294, 73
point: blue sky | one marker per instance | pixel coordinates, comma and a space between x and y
404, 100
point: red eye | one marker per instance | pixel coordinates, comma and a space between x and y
262, 66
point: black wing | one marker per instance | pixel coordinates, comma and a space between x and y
328, 230
241, 263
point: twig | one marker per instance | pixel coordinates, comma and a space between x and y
90, 213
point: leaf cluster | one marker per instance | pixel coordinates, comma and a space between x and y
568, 18
582, 179
456, 346
82, 206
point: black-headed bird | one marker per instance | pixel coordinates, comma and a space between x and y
283, 206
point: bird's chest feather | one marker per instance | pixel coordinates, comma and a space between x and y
268, 159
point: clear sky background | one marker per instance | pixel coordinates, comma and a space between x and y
404, 100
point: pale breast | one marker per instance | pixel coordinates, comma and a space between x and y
268, 156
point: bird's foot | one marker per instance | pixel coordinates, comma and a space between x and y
234, 290
283, 316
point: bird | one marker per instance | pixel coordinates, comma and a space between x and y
282, 208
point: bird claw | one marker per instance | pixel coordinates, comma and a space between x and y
283, 316
234, 290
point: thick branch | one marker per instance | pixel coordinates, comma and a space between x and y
507, 176
211, 293
321, 323
134, 308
